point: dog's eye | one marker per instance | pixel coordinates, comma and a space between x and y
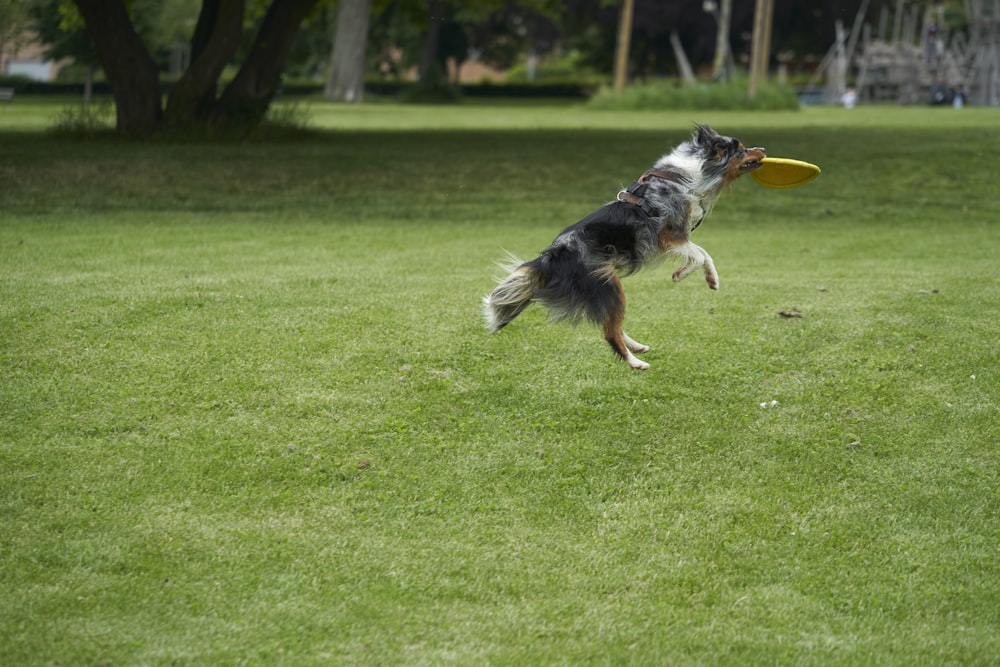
724, 149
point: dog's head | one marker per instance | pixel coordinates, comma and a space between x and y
723, 158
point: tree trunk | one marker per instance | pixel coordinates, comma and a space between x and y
622, 46
216, 39
88, 86
683, 64
132, 73
246, 99
429, 71
347, 66
720, 64
760, 45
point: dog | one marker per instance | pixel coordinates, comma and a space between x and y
579, 275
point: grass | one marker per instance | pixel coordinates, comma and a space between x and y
250, 415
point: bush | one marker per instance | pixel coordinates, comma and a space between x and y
439, 92
567, 69
731, 95
433, 88
85, 121
15, 81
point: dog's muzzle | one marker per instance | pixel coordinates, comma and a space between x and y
752, 160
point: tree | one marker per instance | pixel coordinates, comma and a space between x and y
454, 28
134, 74
761, 54
622, 46
723, 15
430, 70
347, 59
60, 28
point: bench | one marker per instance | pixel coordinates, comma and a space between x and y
6, 94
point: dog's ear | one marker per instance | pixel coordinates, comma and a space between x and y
705, 136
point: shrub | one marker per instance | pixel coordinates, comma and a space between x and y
432, 93
662, 95
567, 69
15, 81
85, 121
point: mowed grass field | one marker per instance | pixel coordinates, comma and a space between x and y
249, 413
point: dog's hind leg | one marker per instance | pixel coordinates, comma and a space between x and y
620, 343
634, 345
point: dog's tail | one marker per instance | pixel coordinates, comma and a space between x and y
514, 293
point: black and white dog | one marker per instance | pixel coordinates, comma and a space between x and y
578, 275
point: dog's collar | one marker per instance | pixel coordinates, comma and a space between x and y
633, 194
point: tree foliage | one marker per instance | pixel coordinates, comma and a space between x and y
13, 18
502, 33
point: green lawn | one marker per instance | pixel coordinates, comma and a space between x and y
249, 413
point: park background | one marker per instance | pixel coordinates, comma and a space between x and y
249, 413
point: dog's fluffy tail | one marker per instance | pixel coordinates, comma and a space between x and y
512, 295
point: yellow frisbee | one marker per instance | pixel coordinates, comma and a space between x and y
782, 172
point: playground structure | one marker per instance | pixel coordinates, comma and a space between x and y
911, 58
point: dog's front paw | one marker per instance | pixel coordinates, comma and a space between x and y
711, 275
694, 256
683, 272
712, 278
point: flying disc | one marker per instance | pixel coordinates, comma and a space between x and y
783, 172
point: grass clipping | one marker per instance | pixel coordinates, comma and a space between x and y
663, 95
